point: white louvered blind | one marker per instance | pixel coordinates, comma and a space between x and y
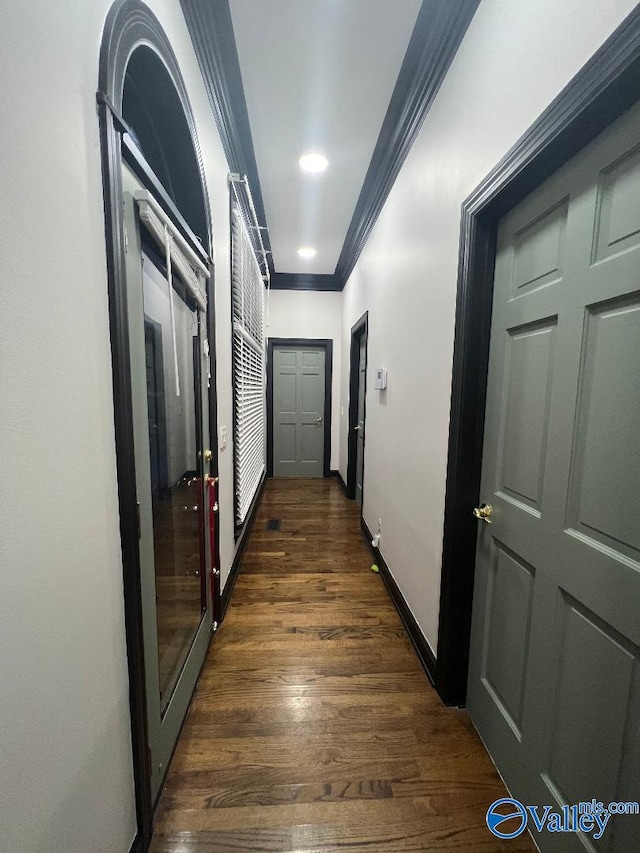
191, 268
249, 391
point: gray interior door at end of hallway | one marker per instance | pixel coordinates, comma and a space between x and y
360, 426
298, 411
554, 682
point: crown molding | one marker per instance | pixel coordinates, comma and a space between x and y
305, 281
439, 29
211, 29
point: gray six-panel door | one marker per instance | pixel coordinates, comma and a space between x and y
298, 411
554, 683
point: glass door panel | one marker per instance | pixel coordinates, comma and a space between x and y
168, 385
173, 420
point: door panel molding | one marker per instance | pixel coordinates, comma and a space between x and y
320, 343
599, 93
357, 330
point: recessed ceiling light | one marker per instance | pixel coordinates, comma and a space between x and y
313, 162
307, 252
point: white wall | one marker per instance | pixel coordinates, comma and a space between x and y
312, 314
66, 781
515, 58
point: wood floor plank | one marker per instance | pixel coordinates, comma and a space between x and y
313, 726
211, 780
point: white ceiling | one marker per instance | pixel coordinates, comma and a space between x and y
318, 76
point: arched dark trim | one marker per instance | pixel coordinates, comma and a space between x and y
131, 25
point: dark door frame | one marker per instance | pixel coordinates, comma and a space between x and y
601, 91
327, 345
156, 331
357, 330
131, 24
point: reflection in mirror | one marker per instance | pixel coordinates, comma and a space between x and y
175, 470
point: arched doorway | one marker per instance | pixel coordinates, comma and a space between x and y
161, 293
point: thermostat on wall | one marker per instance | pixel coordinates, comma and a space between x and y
381, 379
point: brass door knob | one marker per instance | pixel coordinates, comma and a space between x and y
208, 455
483, 512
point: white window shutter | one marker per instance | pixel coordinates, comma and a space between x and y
249, 378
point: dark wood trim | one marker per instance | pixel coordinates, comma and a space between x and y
143, 171
137, 846
420, 644
328, 407
327, 344
155, 329
357, 330
305, 281
601, 91
439, 29
129, 24
211, 29
134, 157
335, 473
241, 544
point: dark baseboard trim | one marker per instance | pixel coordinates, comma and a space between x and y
338, 476
242, 540
425, 655
306, 281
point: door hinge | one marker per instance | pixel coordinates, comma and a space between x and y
126, 236
214, 626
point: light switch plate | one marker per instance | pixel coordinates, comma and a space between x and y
224, 437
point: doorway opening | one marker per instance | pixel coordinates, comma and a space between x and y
357, 409
299, 378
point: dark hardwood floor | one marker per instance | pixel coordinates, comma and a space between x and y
313, 726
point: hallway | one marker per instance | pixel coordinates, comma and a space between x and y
313, 726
